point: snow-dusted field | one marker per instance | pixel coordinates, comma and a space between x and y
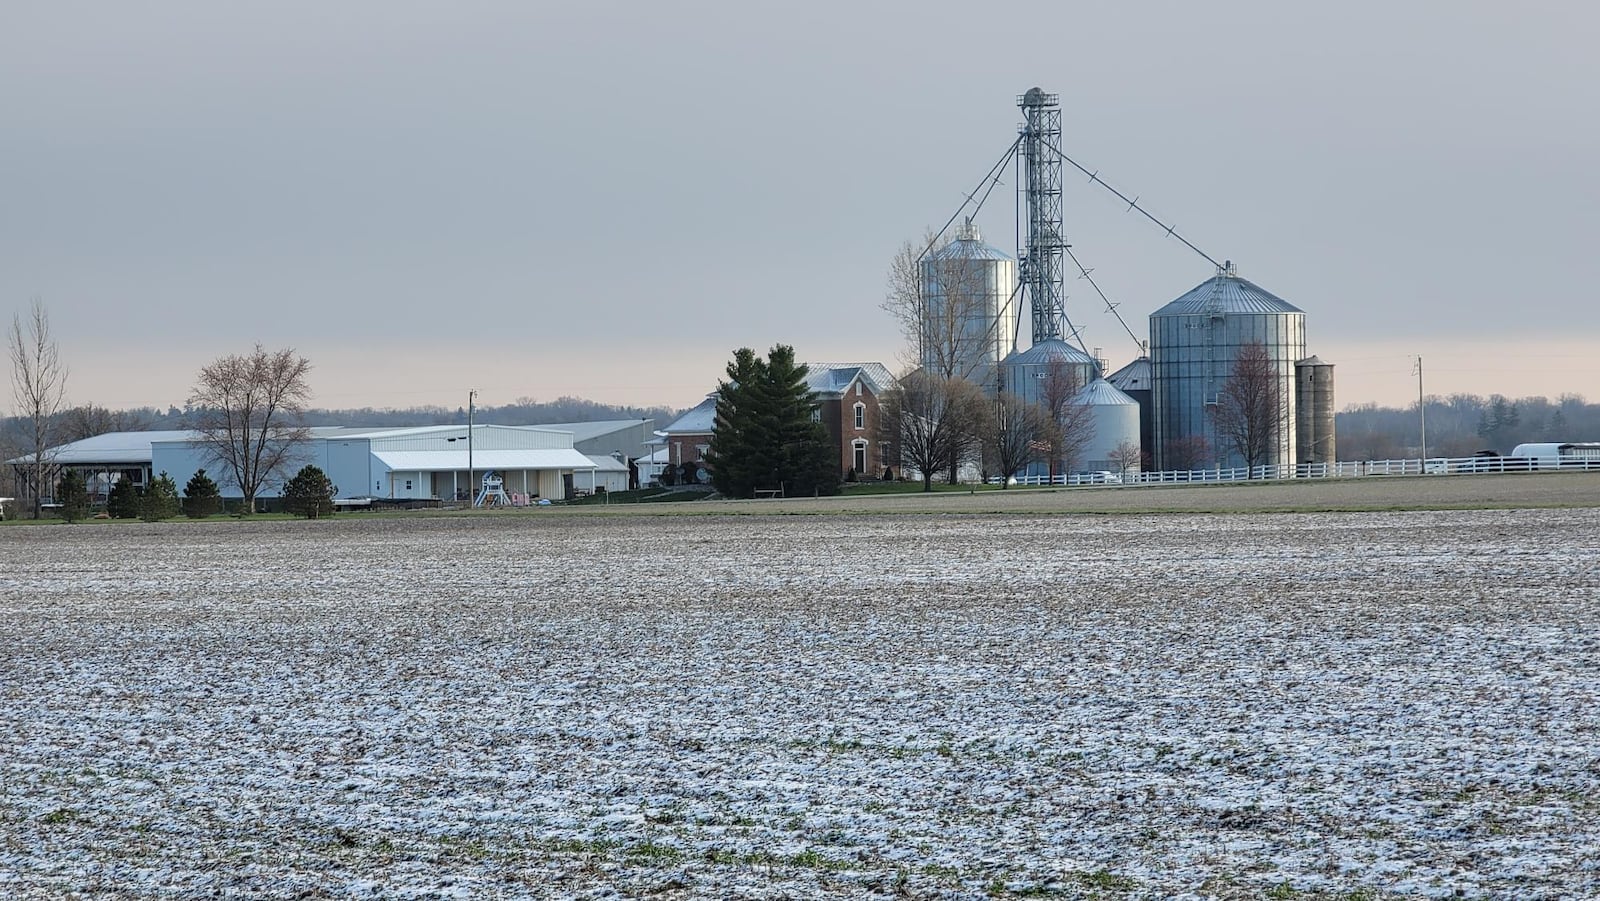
1290, 705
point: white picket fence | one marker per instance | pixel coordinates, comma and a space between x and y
1433, 466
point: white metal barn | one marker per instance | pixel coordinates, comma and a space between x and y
415, 463
610, 473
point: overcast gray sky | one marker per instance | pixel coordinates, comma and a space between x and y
605, 199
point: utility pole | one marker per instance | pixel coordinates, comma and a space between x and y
1422, 415
472, 477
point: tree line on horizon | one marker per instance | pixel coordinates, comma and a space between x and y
87, 420
1459, 425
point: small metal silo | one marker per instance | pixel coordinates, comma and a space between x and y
1313, 388
1194, 341
1115, 419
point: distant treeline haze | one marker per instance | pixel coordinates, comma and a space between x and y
1462, 424
1458, 425
89, 420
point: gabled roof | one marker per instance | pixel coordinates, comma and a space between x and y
584, 431
700, 420
130, 448
607, 463
423, 431
835, 378
826, 379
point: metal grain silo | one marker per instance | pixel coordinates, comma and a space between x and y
1313, 389
1114, 417
1029, 373
1194, 341
968, 296
1134, 381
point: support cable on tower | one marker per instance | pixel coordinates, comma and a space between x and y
1110, 307
1132, 202
991, 179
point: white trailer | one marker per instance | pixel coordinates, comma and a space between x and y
1558, 455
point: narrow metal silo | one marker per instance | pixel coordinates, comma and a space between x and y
1134, 381
968, 295
1194, 341
1115, 420
1313, 388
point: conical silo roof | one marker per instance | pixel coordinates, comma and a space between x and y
1226, 294
1133, 377
1101, 393
1312, 360
965, 248
1048, 351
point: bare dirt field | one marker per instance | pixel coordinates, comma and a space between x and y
1287, 705
1474, 492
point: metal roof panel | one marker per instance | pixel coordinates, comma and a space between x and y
1226, 294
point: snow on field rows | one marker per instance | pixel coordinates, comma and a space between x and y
1320, 706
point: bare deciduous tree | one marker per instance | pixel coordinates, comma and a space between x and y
1071, 422
248, 410
1188, 453
1126, 456
89, 420
39, 386
930, 419
944, 301
1250, 413
945, 306
1014, 435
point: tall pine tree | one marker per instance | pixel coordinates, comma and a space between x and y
764, 437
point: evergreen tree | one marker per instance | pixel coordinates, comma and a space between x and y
733, 457
73, 496
160, 500
123, 501
309, 493
200, 496
809, 464
764, 436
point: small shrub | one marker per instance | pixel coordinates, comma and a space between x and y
309, 493
73, 496
123, 501
200, 496
160, 500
